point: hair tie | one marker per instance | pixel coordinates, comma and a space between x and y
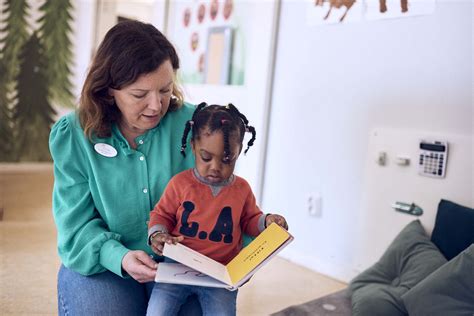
224, 121
191, 122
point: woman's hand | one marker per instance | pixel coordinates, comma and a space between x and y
275, 218
158, 241
139, 265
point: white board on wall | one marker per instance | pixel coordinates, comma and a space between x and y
385, 184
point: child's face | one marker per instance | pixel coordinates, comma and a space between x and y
208, 149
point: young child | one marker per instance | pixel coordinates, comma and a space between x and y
207, 208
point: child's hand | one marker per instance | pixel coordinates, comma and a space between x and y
275, 218
158, 241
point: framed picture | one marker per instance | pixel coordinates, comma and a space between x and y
192, 23
218, 55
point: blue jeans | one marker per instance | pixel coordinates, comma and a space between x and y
166, 299
107, 294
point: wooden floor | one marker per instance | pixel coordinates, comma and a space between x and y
29, 262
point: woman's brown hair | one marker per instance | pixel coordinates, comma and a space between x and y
129, 50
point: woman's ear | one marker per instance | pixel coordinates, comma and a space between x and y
111, 97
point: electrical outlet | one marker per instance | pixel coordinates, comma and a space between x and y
315, 205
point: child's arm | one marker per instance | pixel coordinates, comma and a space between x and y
252, 221
163, 216
164, 212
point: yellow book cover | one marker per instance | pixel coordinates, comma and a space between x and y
262, 247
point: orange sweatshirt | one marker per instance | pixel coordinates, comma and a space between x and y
211, 225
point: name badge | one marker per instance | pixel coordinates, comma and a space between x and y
105, 150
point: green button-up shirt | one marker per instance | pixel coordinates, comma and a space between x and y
101, 204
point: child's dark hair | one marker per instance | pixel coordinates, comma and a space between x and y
225, 118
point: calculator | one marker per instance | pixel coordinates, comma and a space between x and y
433, 158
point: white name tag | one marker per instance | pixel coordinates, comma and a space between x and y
105, 150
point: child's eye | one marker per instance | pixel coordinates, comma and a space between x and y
166, 91
227, 161
205, 159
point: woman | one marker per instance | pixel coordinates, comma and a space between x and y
112, 161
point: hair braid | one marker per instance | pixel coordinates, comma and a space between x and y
233, 109
184, 139
188, 126
199, 108
225, 132
248, 128
251, 129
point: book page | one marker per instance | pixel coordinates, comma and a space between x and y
270, 240
177, 273
197, 261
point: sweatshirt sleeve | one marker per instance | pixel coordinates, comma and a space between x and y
252, 220
163, 215
84, 243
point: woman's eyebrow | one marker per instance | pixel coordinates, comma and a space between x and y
146, 90
140, 90
168, 84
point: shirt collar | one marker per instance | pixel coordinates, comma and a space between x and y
123, 143
219, 184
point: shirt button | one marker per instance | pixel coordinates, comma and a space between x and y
142, 158
145, 190
140, 141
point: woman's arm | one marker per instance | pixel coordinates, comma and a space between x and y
84, 242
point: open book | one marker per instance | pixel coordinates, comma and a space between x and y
196, 269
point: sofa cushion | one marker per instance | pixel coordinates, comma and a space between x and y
447, 291
409, 259
454, 228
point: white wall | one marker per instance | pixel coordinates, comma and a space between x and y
82, 38
333, 85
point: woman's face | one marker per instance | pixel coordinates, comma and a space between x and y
144, 102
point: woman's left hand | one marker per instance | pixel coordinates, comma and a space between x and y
139, 265
275, 218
